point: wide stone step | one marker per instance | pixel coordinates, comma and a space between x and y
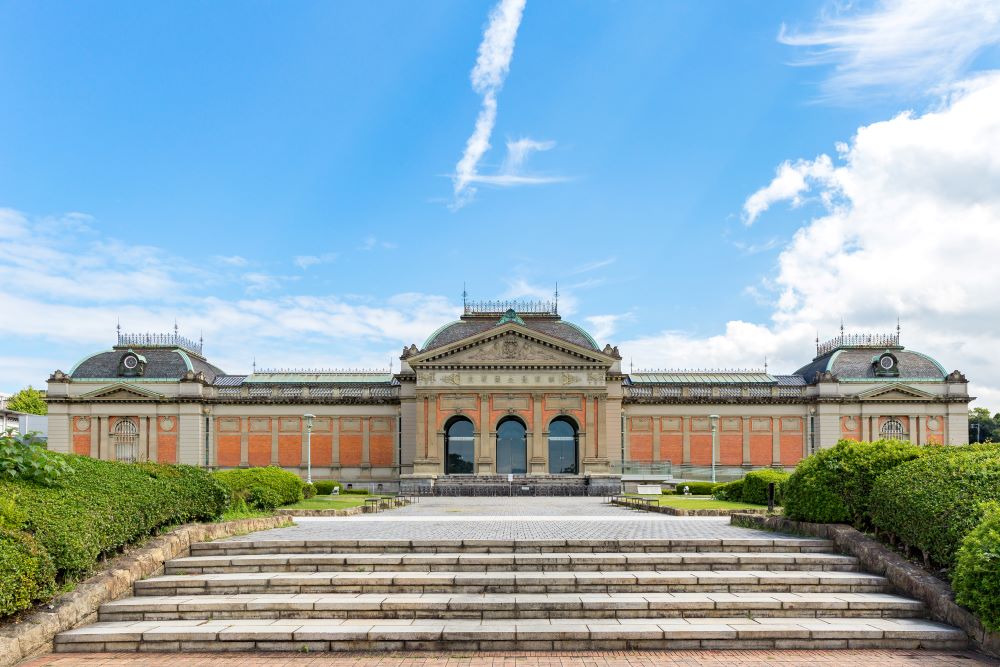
762, 545
535, 634
626, 581
504, 562
494, 606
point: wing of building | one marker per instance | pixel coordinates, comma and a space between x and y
507, 390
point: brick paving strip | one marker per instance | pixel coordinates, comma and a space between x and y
873, 658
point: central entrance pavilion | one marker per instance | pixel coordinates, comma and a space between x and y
506, 396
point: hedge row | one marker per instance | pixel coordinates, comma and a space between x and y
695, 488
977, 570
933, 502
262, 488
27, 575
752, 488
326, 487
834, 485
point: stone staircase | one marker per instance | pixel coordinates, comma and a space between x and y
337, 595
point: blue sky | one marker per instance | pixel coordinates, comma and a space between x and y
281, 176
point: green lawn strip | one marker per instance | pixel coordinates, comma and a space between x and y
329, 503
699, 503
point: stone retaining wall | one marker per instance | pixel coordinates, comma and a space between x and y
677, 511
876, 558
32, 635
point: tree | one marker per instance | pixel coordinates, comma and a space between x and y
982, 426
31, 401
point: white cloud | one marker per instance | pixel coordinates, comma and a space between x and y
911, 229
488, 75
305, 261
231, 260
789, 183
372, 243
897, 46
602, 327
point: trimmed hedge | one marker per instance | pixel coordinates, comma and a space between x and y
326, 487
26, 572
932, 503
696, 488
262, 488
833, 485
309, 490
977, 570
754, 489
105, 505
731, 491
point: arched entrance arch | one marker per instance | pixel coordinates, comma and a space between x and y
563, 447
459, 447
512, 446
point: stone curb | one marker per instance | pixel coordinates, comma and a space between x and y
676, 511
876, 558
349, 511
33, 635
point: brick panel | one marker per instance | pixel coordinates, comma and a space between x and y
760, 449
701, 449
731, 449
380, 449
322, 449
672, 448
259, 453
228, 446
640, 447
166, 448
81, 444
350, 449
290, 449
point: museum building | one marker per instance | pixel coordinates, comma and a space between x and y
510, 391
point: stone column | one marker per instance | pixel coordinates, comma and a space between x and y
366, 429
335, 443
275, 421
103, 439
686, 440
538, 461
143, 438
484, 451
911, 428
95, 429
154, 438
244, 441
775, 440
746, 439
657, 458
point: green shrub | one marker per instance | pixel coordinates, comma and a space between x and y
755, 486
26, 572
106, 505
262, 488
308, 490
834, 485
932, 503
24, 457
696, 488
977, 569
357, 492
731, 491
326, 487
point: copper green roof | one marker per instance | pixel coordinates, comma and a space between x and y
324, 377
702, 378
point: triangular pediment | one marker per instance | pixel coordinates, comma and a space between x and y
120, 392
511, 345
898, 392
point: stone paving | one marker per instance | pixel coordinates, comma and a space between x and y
790, 658
518, 518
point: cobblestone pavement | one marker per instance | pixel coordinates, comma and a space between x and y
509, 519
874, 658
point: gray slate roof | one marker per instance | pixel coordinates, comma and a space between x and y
161, 364
856, 364
549, 325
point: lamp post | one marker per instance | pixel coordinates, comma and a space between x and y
976, 424
309, 432
715, 437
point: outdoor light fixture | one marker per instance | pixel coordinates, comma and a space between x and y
715, 438
309, 430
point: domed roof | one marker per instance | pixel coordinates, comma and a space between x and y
161, 363
550, 325
858, 363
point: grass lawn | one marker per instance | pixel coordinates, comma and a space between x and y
702, 503
328, 502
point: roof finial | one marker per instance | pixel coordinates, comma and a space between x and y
842, 325
465, 297
765, 363
557, 298
176, 330
254, 364
898, 329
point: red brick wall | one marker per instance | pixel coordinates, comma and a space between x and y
166, 439
791, 440
640, 439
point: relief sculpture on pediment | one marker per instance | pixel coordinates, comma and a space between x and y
511, 349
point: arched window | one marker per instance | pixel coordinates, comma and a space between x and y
125, 435
512, 447
459, 447
563, 447
893, 428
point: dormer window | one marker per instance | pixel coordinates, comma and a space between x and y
886, 365
131, 364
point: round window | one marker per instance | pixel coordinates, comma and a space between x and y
130, 362
887, 362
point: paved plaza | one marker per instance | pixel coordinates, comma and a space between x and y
507, 518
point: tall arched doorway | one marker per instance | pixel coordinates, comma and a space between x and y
512, 447
563, 447
459, 447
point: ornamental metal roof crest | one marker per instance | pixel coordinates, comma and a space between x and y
510, 316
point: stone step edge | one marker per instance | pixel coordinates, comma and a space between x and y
586, 557
788, 542
375, 630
